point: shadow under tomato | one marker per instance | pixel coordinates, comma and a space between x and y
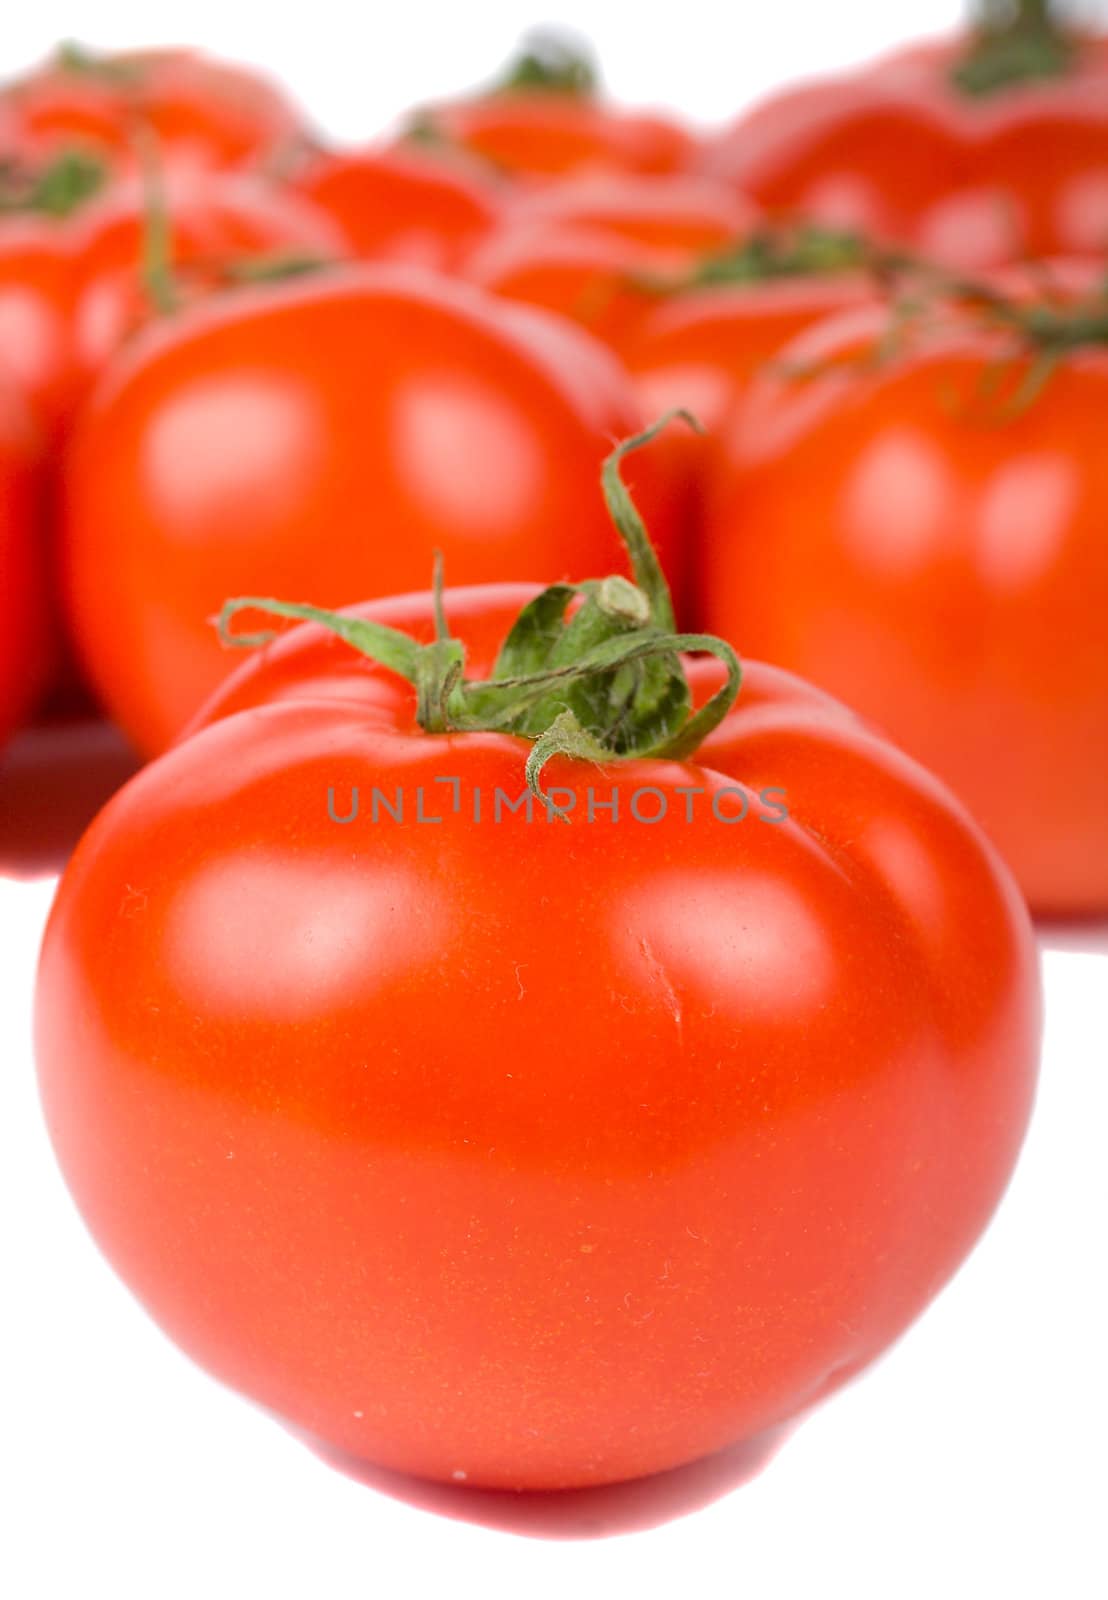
591, 1513
54, 778
1088, 935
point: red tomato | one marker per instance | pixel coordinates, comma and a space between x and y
72, 288
36, 314
462, 1173
545, 118
401, 205
899, 152
921, 540
542, 136
600, 280
682, 213
25, 630
701, 350
591, 248
323, 440
200, 110
216, 227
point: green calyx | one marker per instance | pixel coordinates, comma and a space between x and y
113, 71
1035, 337
57, 189
549, 64
791, 252
590, 670
279, 266
165, 284
1046, 332
1014, 41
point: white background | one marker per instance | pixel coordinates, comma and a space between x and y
969, 1463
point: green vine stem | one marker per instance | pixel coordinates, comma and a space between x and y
549, 63
785, 251
1043, 331
113, 71
157, 230
1014, 41
56, 189
590, 670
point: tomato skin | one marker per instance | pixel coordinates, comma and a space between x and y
585, 247
357, 1155
541, 136
214, 222
590, 276
895, 152
323, 440
201, 111
679, 213
941, 566
36, 315
71, 290
702, 350
400, 205
26, 634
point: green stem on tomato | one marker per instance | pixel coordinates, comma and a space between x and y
57, 189
1012, 42
116, 72
549, 63
591, 670
157, 231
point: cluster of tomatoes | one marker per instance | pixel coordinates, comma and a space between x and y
502, 1150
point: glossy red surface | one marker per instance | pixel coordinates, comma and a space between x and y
521, 1154
26, 623
319, 442
896, 151
929, 546
200, 110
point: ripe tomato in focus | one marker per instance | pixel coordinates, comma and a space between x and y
401, 205
319, 441
898, 151
357, 1154
26, 634
200, 111
924, 536
600, 250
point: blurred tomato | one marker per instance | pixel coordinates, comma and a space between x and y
904, 151
218, 231
602, 249
919, 527
25, 624
36, 313
601, 280
680, 213
73, 287
546, 119
198, 110
401, 204
321, 441
702, 349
